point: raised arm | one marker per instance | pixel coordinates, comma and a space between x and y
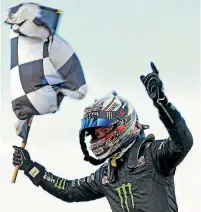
170, 152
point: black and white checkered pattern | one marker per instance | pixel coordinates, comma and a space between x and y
44, 68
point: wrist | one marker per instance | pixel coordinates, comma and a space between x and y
27, 165
161, 102
35, 172
168, 114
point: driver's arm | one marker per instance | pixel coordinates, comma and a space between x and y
84, 189
169, 153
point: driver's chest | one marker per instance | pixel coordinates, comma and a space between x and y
132, 187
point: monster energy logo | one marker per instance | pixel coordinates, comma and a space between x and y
60, 183
124, 193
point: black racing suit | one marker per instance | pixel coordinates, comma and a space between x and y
145, 174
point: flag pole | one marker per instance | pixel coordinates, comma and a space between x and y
23, 145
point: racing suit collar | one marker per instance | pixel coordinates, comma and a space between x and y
135, 150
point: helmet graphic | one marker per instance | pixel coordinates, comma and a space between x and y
116, 118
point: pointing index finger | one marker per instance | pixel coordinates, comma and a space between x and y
155, 70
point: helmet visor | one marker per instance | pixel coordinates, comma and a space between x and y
95, 122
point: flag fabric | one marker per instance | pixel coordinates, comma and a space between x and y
44, 67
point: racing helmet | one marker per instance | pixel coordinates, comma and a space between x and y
118, 116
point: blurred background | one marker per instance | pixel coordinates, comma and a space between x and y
115, 41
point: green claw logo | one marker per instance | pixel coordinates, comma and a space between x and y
60, 183
124, 192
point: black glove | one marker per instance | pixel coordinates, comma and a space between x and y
33, 170
154, 87
22, 158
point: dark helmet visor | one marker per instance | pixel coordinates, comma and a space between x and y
95, 122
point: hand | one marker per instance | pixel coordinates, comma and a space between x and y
22, 158
154, 86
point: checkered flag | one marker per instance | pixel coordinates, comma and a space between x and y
44, 68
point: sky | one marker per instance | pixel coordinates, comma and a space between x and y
115, 41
